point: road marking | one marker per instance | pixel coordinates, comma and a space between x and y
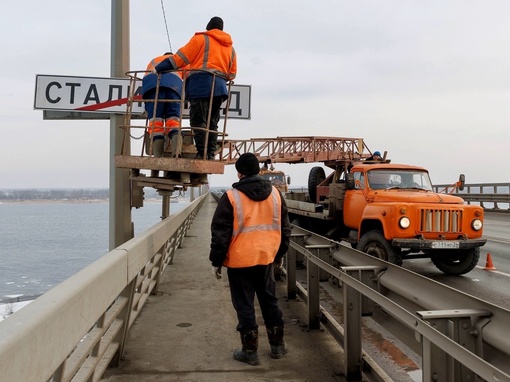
497, 239
498, 272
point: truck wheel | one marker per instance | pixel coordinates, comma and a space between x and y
316, 176
374, 244
456, 262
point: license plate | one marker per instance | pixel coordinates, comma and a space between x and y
445, 244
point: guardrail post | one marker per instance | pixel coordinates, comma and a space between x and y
314, 312
460, 326
323, 253
352, 327
299, 239
291, 273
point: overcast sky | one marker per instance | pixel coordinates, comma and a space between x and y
427, 81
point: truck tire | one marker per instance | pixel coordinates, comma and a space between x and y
456, 262
374, 244
316, 176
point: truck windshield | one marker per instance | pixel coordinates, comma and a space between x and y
276, 179
383, 179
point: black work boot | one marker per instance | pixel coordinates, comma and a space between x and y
275, 337
158, 147
248, 354
212, 146
199, 137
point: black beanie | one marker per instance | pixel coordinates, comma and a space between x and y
248, 164
215, 23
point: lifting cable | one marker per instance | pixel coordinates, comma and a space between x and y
166, 25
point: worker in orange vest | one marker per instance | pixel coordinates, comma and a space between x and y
206, 53
164, 117
250, 233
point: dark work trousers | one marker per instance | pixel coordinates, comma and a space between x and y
163, 109
245, 283
198, 113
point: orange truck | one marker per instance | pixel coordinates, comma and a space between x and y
391, 211
277, 178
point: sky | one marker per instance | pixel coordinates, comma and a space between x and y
426, 81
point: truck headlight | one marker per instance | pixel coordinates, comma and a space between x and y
477, 224
404, 222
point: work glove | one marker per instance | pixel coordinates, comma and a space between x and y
217, 272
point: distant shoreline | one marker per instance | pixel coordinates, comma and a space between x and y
62, 201
52, 201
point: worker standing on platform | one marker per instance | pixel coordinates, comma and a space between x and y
165, 120
250, 234
207, 52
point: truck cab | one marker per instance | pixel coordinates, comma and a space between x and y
277, 178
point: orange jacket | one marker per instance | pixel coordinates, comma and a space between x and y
211, 50
256, 233
156, 60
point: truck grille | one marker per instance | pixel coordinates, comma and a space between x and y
432, 220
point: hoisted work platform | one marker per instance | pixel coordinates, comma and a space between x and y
180, 165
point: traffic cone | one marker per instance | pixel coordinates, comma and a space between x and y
488, 264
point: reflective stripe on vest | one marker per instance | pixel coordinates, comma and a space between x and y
262, 227
256, 235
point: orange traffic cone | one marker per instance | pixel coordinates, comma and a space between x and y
488, 264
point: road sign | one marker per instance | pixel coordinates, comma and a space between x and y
64, 97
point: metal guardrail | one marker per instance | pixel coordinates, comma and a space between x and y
462, 337
493, 193
79, 328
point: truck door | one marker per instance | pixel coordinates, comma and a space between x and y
355, 202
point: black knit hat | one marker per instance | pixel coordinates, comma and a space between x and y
215, 23
248, 164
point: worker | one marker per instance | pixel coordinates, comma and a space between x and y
165, 119
206, 53
250, 234
376, 157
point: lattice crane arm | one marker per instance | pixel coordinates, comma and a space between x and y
296, 149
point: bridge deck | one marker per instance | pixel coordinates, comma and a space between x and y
187, 331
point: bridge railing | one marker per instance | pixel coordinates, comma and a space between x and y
77, 329
462, 337
491, 196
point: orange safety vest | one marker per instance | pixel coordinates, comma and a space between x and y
155, 61
211, 50
256, 235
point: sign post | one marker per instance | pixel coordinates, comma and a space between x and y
120, 207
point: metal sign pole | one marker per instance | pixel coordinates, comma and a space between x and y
120, 207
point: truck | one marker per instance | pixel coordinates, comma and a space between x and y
277, 178
392, 212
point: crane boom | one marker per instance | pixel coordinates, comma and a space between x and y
296, 149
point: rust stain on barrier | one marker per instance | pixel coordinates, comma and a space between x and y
387, 347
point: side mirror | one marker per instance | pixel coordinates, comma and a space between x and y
462, 180
288, 180
349, 181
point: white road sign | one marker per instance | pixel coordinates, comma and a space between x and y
109, 95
